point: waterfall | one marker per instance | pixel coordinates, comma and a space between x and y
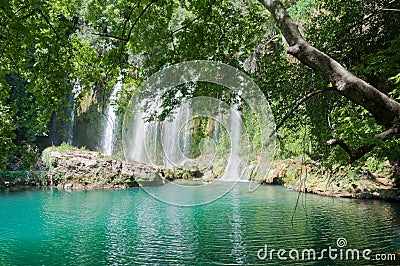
76, 90
176, 137
138, 149
110, 121
144, 140
184, 138
153, 144
168, 143
217, 124
148, 138
71, 123
232, 172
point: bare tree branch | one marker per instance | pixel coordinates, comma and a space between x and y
297, 105
387, 134
353, 154
109, 36
20, 9
137, 19
48, 23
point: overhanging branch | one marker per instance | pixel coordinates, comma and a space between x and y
138, 18
109, 36
127, 19
353, 154
387, 134
297, 105
385, 110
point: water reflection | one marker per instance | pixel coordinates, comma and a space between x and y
117, 235
236, 223
130, 227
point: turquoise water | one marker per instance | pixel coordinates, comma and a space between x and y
129, 227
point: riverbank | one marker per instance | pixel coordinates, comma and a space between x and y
347, 182
71, 168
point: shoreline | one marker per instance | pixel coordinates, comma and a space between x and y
346, 183
76, 169
22, 188
390, 194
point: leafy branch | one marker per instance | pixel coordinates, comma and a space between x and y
297, 105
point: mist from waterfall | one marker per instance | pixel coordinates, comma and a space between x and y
110, 121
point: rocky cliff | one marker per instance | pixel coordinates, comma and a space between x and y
76, 168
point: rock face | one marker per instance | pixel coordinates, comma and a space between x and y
346, 182
73, 169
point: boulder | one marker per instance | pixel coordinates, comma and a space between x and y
76, 168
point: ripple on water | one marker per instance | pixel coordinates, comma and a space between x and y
124, 227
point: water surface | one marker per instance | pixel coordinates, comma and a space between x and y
107, 227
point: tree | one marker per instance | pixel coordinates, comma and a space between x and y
50, 45
40, 58
385, 110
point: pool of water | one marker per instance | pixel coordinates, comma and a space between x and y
110, 227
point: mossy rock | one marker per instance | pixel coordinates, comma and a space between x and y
150, 180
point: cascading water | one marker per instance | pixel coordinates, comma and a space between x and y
70, 127
110, 121
168, 143
143, 139
71, 110
176, 137
146, 140
153, 143
138, 148
217, 126
232, 171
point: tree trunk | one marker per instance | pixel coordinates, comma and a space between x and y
385, 110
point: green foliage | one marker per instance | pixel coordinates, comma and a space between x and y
6, 134
64, 147
368, 47
41, 56
364, 37
48, 47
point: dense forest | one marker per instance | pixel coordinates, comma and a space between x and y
47, 48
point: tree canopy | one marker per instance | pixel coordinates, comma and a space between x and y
47, 47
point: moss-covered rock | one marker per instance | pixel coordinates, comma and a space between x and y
344, 182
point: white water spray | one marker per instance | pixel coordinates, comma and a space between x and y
176, 137
110, 121
232, 172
